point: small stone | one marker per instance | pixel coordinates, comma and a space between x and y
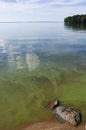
53, 104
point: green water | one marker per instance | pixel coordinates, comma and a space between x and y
34, 71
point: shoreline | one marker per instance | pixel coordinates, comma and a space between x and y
52, 125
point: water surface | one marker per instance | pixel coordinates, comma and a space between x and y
40, 62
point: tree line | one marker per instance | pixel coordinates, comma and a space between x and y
76, 19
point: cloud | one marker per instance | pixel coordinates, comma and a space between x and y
63, 3
38, 3
10, 1
40, 9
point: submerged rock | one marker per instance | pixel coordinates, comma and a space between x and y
68, 114
53, 104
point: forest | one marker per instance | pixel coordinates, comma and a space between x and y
76, 19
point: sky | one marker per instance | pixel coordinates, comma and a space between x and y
40, 10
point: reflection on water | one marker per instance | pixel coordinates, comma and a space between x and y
32, 61
16, 62
75, 26
17, 54
2, 46
21, 54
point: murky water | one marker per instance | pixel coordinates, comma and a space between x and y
39, 62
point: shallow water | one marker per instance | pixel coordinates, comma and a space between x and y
40, 62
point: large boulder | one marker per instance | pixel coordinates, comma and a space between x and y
68, 114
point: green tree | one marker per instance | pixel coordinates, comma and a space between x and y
76, 19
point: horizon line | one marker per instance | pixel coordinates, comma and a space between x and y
31, 21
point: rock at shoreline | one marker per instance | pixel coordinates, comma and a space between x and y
68, 114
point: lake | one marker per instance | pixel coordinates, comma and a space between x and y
40, 62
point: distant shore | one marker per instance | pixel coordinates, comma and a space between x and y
76, 19
31, 22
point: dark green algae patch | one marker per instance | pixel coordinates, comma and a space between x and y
23, 93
